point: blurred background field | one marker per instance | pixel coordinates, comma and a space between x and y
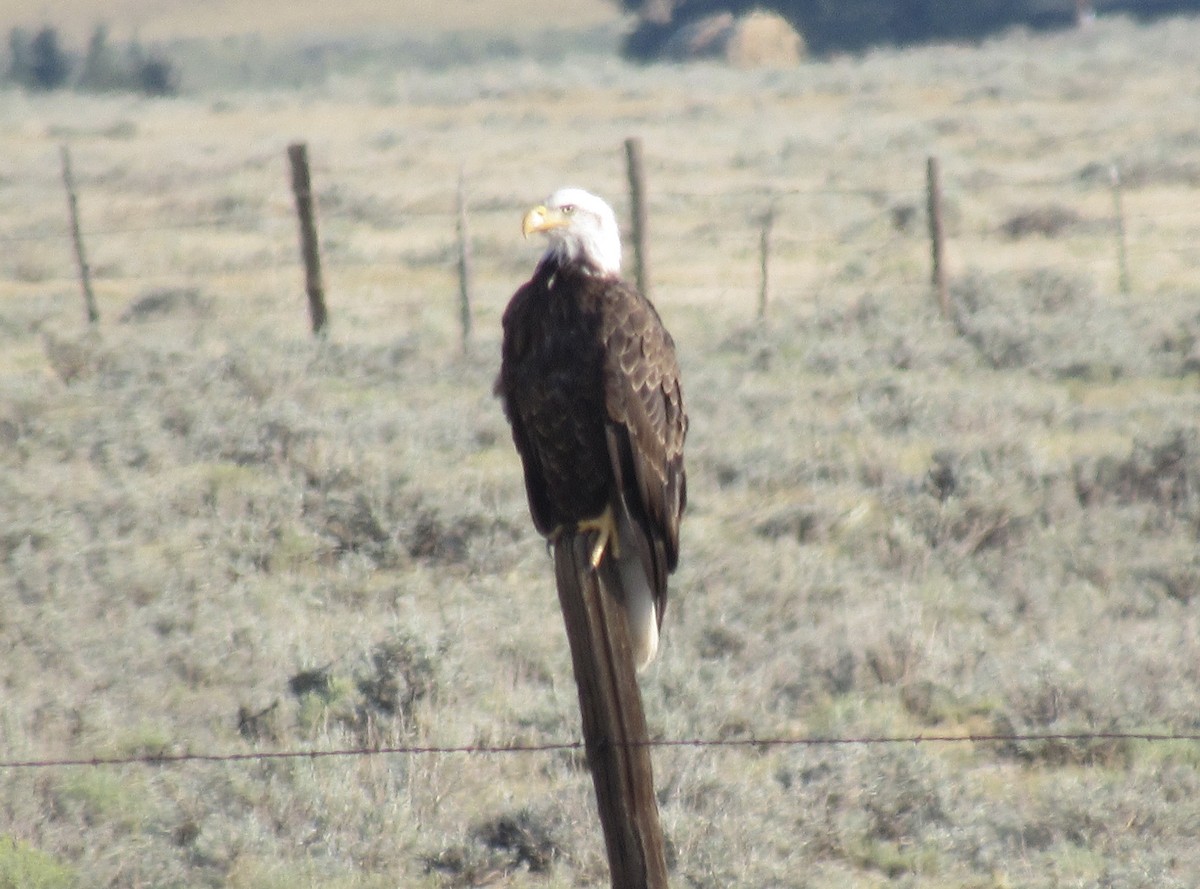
220, 535
156, 20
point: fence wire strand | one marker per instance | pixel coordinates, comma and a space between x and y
174, 758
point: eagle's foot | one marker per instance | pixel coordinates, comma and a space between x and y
605, 526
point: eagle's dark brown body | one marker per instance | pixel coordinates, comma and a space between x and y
590, 384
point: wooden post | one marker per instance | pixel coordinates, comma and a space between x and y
1114, 175
614, 724
464, 263
637, 208
764, 253
85, 275
302, 189
937, 236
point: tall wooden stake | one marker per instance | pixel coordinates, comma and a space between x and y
933, 184
302, 189
85, 275
464, 263
1114, 174
637, 207
768, 223
614, 724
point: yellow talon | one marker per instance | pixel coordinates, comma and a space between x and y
605, 526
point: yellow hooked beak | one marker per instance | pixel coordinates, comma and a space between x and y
543, 219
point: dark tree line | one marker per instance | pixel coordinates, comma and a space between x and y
39, 61
840, 25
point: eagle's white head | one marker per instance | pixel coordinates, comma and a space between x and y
582, 230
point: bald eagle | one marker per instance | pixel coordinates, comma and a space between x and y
590, 385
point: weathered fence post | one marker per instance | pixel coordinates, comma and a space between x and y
933, 185
302, 189
764, 256
637, 209
85, 275
464, 263
614, 724
1114, 175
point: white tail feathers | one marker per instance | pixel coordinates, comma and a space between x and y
641, 609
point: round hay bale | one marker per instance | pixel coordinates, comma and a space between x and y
763, 40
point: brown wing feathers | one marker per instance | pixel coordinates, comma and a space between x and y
590, 384
646, 426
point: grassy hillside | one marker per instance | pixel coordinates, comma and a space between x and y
221, 536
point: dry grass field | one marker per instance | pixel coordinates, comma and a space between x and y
280, 19
219, 536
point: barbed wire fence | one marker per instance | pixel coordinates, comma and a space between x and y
166, 757
1113, 238
914, 218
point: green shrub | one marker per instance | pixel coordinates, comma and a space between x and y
24, 867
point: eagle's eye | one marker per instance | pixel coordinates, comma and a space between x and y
568, 209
